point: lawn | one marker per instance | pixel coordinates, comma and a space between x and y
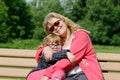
107, 49
34, 44
21, 44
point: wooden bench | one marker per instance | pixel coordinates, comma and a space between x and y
15, 64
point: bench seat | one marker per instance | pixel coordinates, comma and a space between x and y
17, 63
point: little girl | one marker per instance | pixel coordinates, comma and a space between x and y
55, 43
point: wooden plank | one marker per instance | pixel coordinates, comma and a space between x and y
20, 62
108, 57
5, 79
110, 66
17, 53
23, 73
13, 72
8, 79
111, 76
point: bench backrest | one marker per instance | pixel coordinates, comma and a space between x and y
17, 63
110, 64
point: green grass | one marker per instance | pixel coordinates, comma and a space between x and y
7, 78
107, 49
33, 44
21, 44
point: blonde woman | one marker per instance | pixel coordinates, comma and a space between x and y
85, 65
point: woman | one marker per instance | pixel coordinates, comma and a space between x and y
86, 66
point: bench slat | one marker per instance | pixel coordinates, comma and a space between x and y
23, 73
110, 66
108, 57
111, 76
10, 78
106, 66
13, 72
20, 62
17, 53
6, 79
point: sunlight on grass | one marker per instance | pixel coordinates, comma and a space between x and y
34, 43
21, 44
107, 49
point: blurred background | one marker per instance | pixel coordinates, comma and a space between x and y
21, 21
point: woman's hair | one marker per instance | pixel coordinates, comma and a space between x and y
70, 24
52, 39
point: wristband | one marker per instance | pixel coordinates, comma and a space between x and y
68, 50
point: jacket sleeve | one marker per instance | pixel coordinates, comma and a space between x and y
79, 45
38, 53
77, 48
55, 57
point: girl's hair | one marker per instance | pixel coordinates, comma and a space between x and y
70, 24
52, 39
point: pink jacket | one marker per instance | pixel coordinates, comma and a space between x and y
84, 53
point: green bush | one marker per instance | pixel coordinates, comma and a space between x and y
115, 40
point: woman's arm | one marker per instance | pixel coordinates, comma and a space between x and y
47, 51
38, 53
78, 49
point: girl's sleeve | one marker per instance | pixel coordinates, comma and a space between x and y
77, 48
60, 55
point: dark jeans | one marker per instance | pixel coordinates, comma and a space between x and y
78, 76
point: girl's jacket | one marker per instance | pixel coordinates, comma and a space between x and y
81, 47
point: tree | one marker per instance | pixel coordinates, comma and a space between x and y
101, 18
3, 18
105, 18
19, 20
78, 11
40, 10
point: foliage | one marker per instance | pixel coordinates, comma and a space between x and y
78, 11
17, 21
40, 10
3, 18
105, 17
101, 18
22, 20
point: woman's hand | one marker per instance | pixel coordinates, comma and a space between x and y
71, 57
44, 78
47, 51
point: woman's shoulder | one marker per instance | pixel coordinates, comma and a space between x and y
81, 31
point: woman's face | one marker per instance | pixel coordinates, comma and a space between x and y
57, 26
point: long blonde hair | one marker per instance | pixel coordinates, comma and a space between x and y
70, 24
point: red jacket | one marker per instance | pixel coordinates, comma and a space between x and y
82, 49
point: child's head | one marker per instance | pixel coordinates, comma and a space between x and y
54, 42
